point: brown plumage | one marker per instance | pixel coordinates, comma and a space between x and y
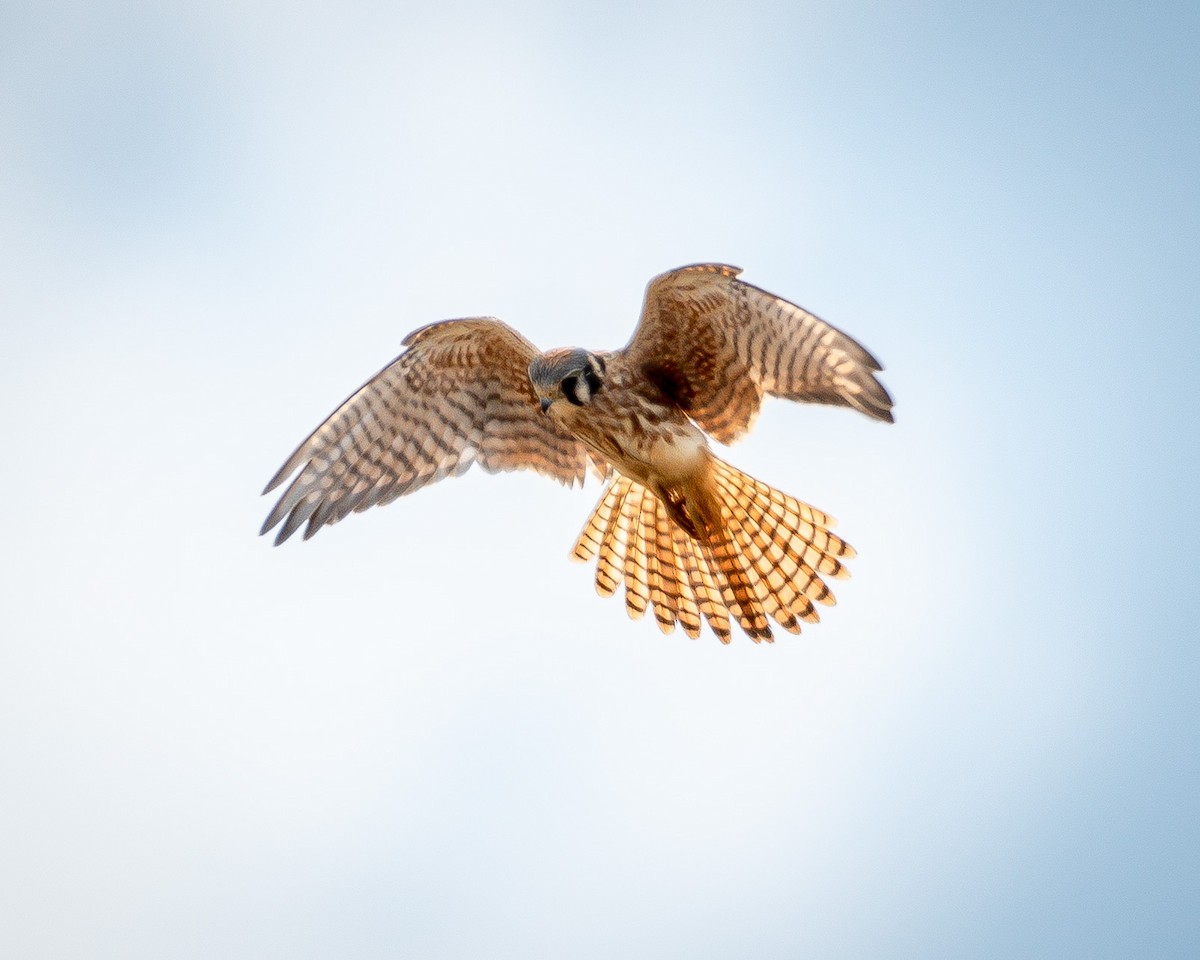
689, 536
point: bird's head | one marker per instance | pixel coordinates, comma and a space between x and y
570, 375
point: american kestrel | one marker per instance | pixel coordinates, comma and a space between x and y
688, 534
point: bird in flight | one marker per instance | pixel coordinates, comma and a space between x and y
688, 535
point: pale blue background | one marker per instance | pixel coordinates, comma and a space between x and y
216, 219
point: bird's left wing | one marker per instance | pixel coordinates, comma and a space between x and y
715, 344
459, 394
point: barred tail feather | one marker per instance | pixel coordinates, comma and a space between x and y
637, 572
765, 558
674, 551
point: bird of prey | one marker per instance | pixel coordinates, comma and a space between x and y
688, 535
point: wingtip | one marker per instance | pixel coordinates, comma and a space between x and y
267, 528
274, 519
878, 401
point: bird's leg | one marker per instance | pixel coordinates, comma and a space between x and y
693, 508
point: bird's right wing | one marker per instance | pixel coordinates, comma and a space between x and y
459, 394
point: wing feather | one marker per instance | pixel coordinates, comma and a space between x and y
459, 394
716, 344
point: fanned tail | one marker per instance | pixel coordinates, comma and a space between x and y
753, 553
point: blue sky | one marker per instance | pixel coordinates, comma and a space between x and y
217, 219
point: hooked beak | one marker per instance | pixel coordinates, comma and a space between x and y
546, 401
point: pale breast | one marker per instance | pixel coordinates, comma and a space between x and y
644, 439
679, 454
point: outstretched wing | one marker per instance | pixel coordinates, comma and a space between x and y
716, 344
460, 394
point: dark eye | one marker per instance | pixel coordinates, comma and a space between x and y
592, 378
570, 389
